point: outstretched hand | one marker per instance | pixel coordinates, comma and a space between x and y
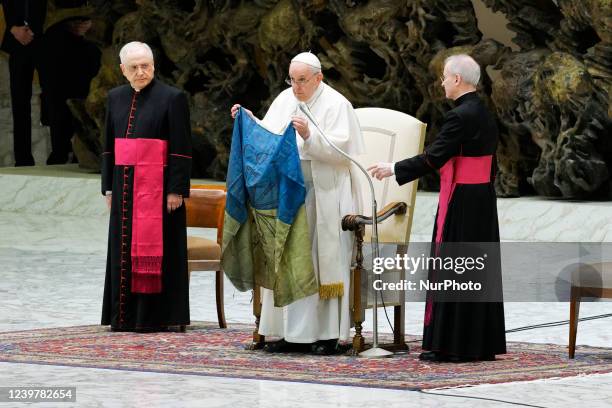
382, 170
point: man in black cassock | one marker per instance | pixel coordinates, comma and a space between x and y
145, 177
464, 152
24, 27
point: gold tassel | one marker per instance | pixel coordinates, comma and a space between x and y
331, 290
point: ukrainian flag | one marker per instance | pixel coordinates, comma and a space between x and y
265, 234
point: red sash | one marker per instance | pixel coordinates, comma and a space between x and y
458, 170
148, 156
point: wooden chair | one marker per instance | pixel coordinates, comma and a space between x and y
205, 209
389, 136
588, 280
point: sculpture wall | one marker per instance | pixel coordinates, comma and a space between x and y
551, 95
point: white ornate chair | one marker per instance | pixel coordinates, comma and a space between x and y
389, 136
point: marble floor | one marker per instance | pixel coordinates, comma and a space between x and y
52, 276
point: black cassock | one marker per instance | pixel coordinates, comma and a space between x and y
465, 329
161, 112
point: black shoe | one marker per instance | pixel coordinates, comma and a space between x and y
433, 356
176, 329
461, 359
57, 158
121, 329
465, 359
282, 346
23, 163
325, 347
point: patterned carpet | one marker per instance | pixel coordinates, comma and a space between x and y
208, 350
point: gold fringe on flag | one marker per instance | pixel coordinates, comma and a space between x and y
331, 290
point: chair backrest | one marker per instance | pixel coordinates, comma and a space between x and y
206, 208
593, 275
389, 136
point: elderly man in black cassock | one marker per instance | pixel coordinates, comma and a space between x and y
145, 177
463, 152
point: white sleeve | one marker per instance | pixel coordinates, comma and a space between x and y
342, 129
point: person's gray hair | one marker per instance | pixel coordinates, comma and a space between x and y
464, 66
133, 48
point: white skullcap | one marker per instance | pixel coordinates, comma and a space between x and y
308, 58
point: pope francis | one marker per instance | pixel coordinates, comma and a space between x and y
316, 323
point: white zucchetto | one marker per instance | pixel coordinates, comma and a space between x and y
308, 58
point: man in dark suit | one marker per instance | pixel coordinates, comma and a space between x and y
463, 152
24, 26
68, 63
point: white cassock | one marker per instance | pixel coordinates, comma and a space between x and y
330, 194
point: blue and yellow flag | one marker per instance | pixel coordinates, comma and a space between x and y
265, 234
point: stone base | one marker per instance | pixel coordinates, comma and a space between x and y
68, 190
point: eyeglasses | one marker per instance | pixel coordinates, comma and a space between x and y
135, 68
298, 82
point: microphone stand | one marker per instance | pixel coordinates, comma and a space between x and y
375, 351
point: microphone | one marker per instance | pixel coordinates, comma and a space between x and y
375, 351
306, 110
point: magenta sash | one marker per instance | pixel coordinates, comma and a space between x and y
458, 170
148, 156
